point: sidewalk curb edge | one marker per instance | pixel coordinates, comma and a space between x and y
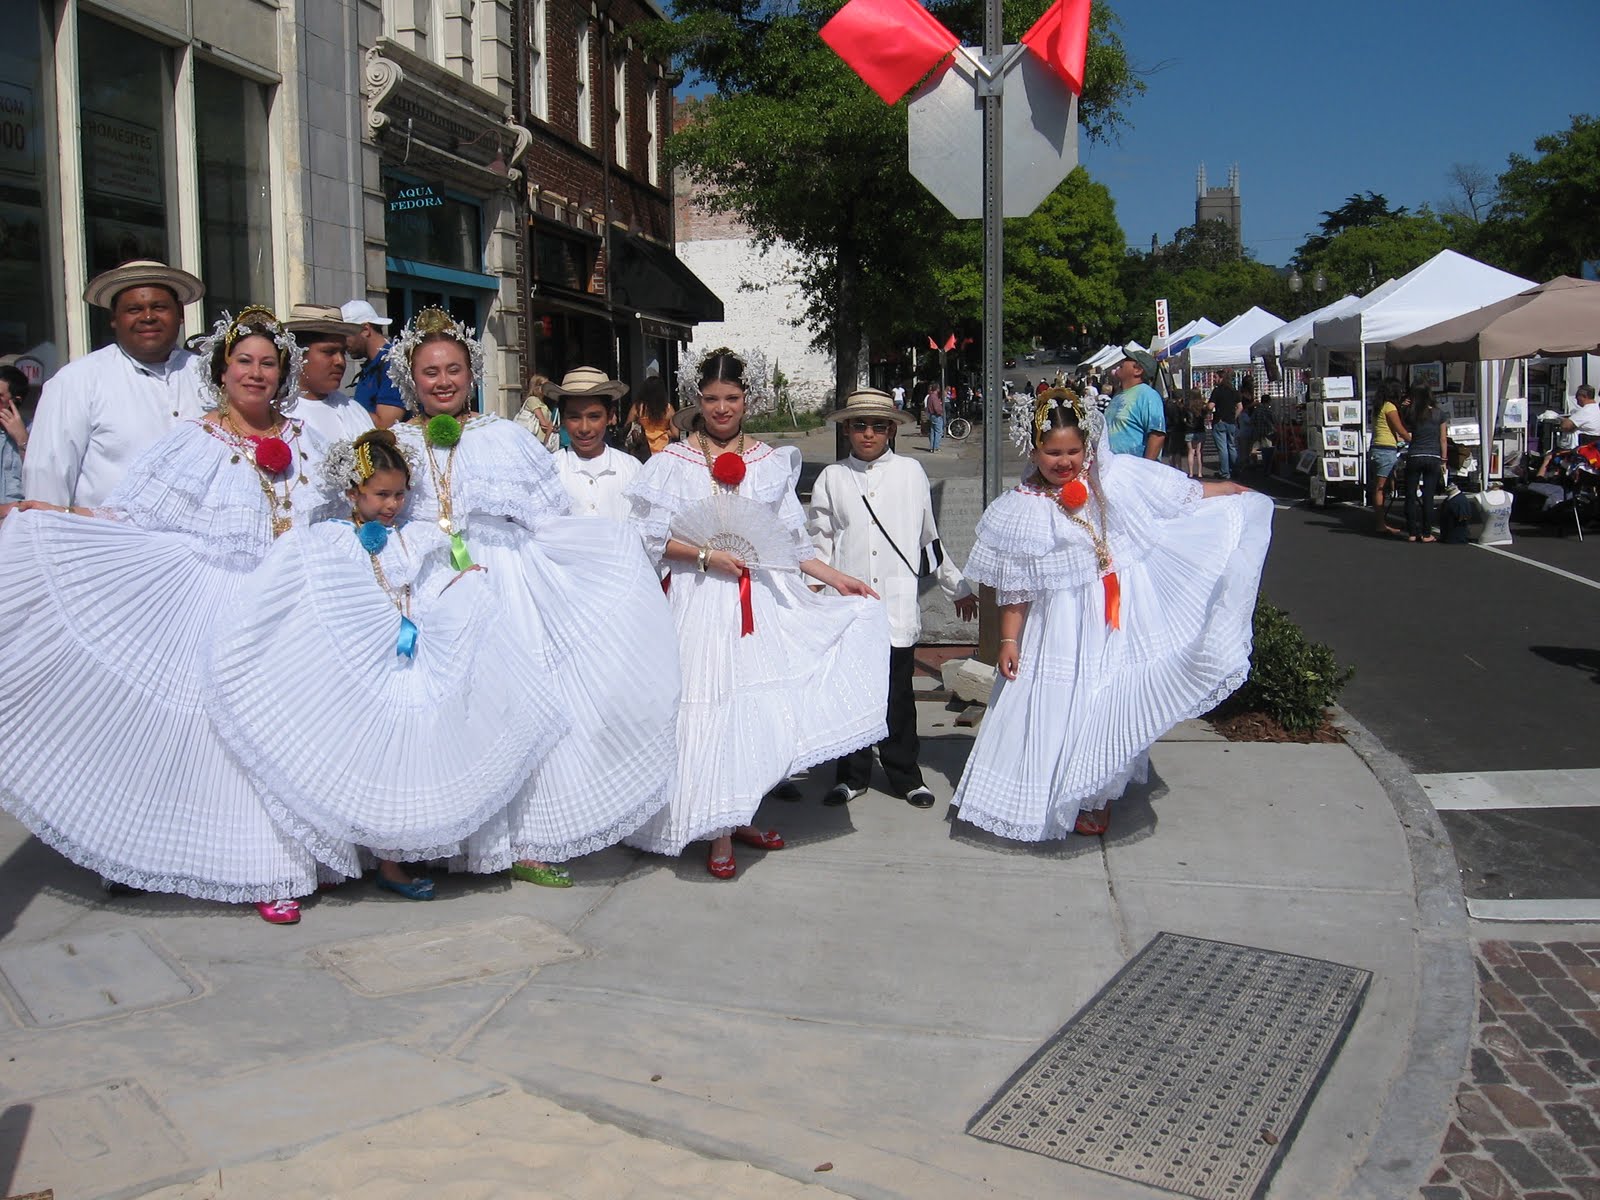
1416, 1114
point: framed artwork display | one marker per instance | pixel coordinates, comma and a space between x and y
1307, 463
1516, 414
1496, 460
1332, 438
1429, 374
1350, 470
1350, 412
1350, 440
1331, 411
1331, 470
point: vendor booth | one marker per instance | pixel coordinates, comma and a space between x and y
1447, 285
1494, 344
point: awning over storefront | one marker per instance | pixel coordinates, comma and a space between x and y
651, 279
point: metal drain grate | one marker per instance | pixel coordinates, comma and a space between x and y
1190, 1071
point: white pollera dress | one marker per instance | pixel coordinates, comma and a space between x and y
106, 751
1076, 725
580, 597
364, 725
810, 684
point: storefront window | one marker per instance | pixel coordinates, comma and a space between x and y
123, 88
26, 303
426, 224
235, 190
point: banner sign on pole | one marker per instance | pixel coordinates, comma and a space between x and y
1161, 319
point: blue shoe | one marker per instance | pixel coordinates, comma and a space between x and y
417, 889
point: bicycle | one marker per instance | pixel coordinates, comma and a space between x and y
958, 429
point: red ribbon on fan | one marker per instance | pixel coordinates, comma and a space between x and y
1113, 587
747, 614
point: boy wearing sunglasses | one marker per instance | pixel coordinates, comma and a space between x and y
872, 517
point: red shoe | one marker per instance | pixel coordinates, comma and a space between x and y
279, 912
721, 868
761, 839
1093, 823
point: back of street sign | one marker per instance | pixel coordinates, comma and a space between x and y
1039, 116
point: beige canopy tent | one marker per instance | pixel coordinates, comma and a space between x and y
1558, 319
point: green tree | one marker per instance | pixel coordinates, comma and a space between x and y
1362, 256
1062, 264
1200, 273
796, 146
1357, 212
1546, 218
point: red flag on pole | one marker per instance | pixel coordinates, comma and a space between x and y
933, 345
1061, 38
950, 342
891, 44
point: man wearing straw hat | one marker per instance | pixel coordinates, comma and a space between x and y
872, 517
322, 335
594, 474
99, 413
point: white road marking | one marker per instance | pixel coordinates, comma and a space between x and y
1466, 791
1534, 910
1542, 566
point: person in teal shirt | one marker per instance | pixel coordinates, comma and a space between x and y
1136, 419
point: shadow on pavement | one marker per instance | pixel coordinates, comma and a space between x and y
1133, 818
1582, 658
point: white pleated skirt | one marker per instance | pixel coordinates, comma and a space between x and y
351, 743
581, 599
809, 685
1075, 727
106, 750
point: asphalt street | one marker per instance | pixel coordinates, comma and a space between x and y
1481, 670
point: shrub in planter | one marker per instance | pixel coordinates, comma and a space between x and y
1292, 679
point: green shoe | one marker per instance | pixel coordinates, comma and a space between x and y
545, 876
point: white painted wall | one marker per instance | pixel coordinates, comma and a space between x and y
762, 305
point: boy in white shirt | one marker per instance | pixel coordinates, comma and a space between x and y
594, 474
872, 517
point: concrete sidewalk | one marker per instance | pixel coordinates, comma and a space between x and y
852, 1000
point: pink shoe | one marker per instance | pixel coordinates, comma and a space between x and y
279, 912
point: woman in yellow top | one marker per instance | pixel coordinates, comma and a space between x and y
1388, 432
651, 428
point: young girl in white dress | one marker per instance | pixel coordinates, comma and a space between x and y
107, 752
1127, 592
775, 677
373, 692
560, 582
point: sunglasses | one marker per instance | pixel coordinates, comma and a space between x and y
860, 426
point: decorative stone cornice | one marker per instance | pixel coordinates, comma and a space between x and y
380, 78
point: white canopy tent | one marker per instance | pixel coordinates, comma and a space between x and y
1447, 285
1102, 357
1272, 344
1230, 345
1183, 337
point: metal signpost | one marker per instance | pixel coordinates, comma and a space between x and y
1026, 147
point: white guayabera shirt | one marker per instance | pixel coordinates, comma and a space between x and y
596, 484
847, 538
99, 413
336, 416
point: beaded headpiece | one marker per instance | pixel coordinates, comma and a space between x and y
253, 319
430, 322
348, 464
1030, 420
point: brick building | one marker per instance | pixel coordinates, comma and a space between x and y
602, 292
770, 308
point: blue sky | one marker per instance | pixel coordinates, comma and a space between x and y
1314, 102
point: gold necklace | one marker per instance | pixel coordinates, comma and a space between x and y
705, 446
278, 506
401, 599
1102, 549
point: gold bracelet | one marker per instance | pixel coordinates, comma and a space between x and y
704, 559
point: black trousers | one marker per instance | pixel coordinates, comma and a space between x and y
897, 752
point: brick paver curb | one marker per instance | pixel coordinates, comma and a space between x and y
1526, 1120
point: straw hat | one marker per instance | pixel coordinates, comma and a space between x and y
105, 287
871, 404
319, 318
586, 381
